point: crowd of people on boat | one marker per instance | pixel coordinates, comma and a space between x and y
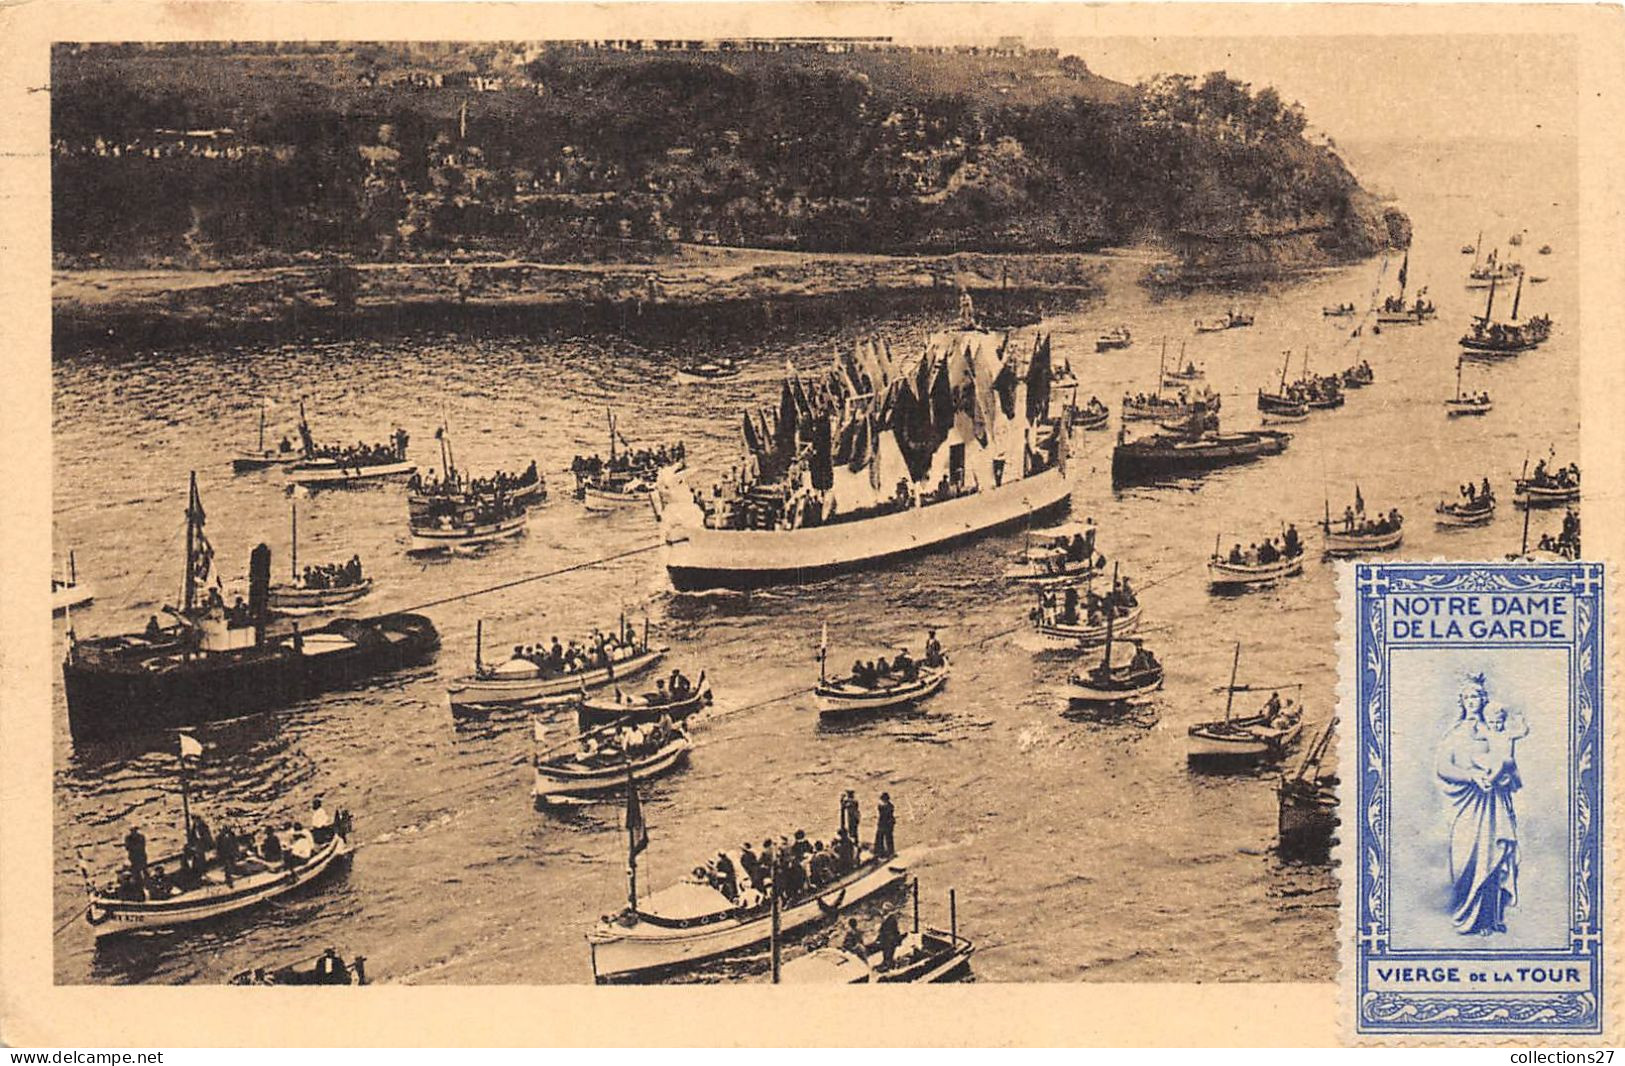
1069, 606
793, 867
625, 742
1356, 522
600, 651
1067, 554
1395, 305
231, 851
1477, 497
1564, 477
1360, 374
363, 454
452, 512
1567, 542
500, 483
1182, 402
641, 461
1289, 545
903, 670
332, 575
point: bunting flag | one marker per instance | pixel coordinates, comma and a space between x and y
1004, 385
823, 470
1038, 381
190, 748
203, 555
752, 444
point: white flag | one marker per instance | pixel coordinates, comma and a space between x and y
190, 746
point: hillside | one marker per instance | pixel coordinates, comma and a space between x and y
205, 156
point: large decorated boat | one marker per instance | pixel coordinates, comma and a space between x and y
879, 457
218, 662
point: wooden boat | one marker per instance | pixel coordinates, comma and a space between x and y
1119, 337
1501, 338
1190, 372
1233, 743
1226, 576
1081, 634
1117, 678
295, 597
1529, 493
1358, 377
572, 779
844, 697
1174, 455
713, 370
618, 483
1283, 401
1093, 415
1466, 404
526, 490
926, 956
467, 522
1340, 311
1231, 319
214, 663
1307, 806
520, 681
326, 969
644, 708
1394, 311
68, 593
685, 924
323, 471
1047, 561
1356, 541
265, 458
1468, 249
1457, 513
1545, 249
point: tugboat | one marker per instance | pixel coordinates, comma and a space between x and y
319, 587
215, 662
1192, 452
1307, 806
1236, 743
1360, 534
891, 684
209, 879
328, 968
938, 449
535, 676
677, 928
628, 478
1546, 489
1471, 403
1475, 508
67, 592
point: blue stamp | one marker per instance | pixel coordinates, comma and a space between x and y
1472, 841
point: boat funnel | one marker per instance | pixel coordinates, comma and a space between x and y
259, 589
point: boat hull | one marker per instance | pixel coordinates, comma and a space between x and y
1205, 750
1459, 409
620, 952
334, 474
595, 499
1355, 544
1087, 636
293, 598
1223, 575
709, 558
554, 786
1532, 496
433, 539
107, 697
835, 701
1083, 692
1153, 458
1454, 519
248, 462
113, 917
472, 692
595, 713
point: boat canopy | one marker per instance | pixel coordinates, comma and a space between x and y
684, 901
1123, 652
515, 668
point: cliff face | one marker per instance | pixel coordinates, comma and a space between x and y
1367, 227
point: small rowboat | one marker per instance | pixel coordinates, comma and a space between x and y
294, 598
111, 916
466, 530
1356, 543
699, 373
1081, 634
1528, 494
1233, 743
1342, 311
332, 472
616, 495
1090, 417
1459, 406
642, 709
843, 697
1545, 249
1358, 377
926, 956
328, 969
1457, 514
571, 779
1230, 320
520, 681
1116, 338
1223, 575
1271, 403
1126, 673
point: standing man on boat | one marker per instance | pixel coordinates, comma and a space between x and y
135, 848
321, 822
885, 825
850, 814
889, 937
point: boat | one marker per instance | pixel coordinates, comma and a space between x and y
322, 588
628, 478
711, 370
1307, 806
1516, 239
1475, 510
884, 478
521, 680
1055, 556
328, 968
215, 662
1359, 376
1247, 570
1154, 408
1166, 455
1189, 372
1543, 489
264, 458
1545, 249
454, 522
691, 922
1126, 673
1236, 743
525, 489
1318, 393
1119, 337
1486, 337
577, 778
1394, 312
1360, 534
645, 708
1061, 623
1093, 415
1338, 311
1469, 249
1491, 270
69, 592
899, 685
206, 891
1467, 403
925, 956
340, 465
1231, 319
1288, 401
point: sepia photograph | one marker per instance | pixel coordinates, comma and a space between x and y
816, 501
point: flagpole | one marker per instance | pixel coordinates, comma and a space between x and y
186, 798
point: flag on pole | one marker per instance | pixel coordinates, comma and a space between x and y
190, 747
637, 831
1359, 501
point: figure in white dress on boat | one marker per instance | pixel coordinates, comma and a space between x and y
1478, 767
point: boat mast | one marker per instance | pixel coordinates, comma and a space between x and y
1111, 617
1230, 693
1161, 363
1478, 247
262, 424
1516, 296
1285, 363
1458, 379
1404, 274
612, 436
293, 554
479, 642
193, 512
73, 570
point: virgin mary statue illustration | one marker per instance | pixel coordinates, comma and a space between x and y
1479, 772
